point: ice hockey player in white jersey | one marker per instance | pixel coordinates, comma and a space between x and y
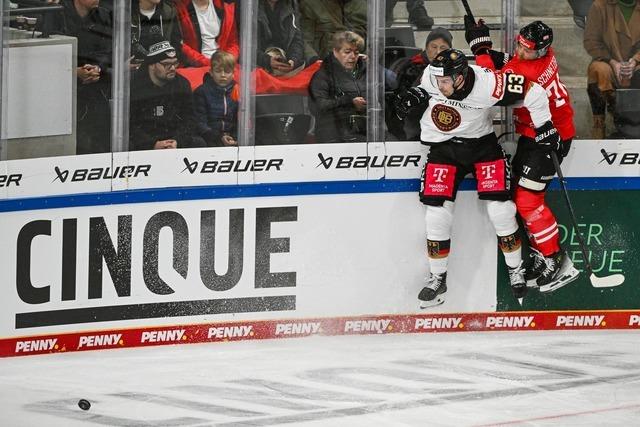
458, 127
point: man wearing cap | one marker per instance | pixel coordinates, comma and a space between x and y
162, 114
409, 74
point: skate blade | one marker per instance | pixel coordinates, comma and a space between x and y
567, 277
433, 303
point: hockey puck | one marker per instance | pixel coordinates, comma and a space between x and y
84, 404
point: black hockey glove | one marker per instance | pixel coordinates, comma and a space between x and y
477, 35
413, 97
547, 137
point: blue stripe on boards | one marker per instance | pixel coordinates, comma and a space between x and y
274, 190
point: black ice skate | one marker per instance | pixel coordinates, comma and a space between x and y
558, 272
517, 281
433, 293
534, 267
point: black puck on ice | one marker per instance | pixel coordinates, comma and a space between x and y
84, 404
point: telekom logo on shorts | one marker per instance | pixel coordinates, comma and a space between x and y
440, 174
488, 171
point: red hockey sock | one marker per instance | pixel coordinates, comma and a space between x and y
539, 220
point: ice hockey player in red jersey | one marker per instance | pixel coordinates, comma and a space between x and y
549, 267
458, 126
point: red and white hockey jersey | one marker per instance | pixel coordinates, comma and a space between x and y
543, 71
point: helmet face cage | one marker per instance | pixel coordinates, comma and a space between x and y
450, 62
536, 36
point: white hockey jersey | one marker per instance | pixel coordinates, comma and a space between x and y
472, 117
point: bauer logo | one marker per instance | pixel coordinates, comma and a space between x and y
231, 166
9, 180
36, 345
172, 335
622, 159
105, 340
300, 328
95, 174
439, 323
231, 332
364, 162
575, 321
510, 322
379, 326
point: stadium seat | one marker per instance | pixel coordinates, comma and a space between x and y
280, 103
399, 36
282, 128
627, 113
394, 53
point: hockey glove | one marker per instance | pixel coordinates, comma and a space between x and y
547, 137
477, 35
414, 97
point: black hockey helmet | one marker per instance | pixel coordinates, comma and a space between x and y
450, 62
536, 36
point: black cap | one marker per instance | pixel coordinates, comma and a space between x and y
440, 33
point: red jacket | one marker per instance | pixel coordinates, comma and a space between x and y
191, 37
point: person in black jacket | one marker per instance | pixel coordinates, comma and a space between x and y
216, 102
162, 114
152, 16
91, 25
338, 91
280, 42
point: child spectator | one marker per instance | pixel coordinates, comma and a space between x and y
216, 102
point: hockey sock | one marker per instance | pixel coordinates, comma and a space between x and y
503, 217
539, 220
438, 253
511, 248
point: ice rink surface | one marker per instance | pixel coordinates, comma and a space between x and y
562, 378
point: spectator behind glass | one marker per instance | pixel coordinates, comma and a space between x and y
338, 91
323, 18
91, 25
216, 102
155, 16
280, 43
161, 103
612, 38
408, 74
418, 15
207, 25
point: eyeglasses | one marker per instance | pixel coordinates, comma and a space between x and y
169, 65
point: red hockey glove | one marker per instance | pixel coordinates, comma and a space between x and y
477, 35
547, 136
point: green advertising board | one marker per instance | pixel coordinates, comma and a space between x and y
608, 221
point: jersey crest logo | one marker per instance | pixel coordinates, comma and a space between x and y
445, 118
498, 89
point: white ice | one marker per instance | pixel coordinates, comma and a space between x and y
576, 378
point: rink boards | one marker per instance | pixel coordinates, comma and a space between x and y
113, 251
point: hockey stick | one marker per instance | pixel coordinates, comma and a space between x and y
596, 282
467, 9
